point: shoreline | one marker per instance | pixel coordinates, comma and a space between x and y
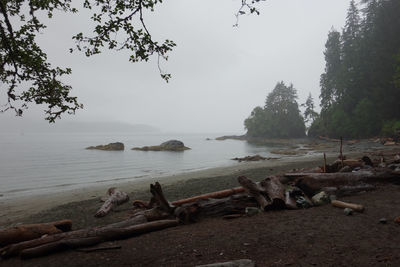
18, 209
80, 204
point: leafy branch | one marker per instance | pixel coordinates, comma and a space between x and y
247, 7
117, 16
24, 67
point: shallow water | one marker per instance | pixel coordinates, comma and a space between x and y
37, 163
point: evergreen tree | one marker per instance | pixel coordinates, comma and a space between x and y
255, 123
351, 39
309, 114
280, 117
330, 80
362, 99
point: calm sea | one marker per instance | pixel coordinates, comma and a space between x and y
36, 163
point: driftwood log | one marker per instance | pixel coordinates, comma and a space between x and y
219, 194
269, 193
85, 237
235, 204
341, 204
31, 231
348, 189
159, 199
311, 183
115, 197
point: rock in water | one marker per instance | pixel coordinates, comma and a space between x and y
171, 145
111, 147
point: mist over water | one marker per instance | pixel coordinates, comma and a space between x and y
34, 163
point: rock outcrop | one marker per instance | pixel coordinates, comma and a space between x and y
110, 147
171, 145
252, 158
232, 137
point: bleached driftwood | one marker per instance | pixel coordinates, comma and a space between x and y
269, 193
115, 197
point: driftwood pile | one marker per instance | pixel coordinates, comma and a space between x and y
287, 191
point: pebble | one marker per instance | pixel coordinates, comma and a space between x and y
320, 199
348, 211
397, 220
332, 197
383, 220
251, 211
303, 203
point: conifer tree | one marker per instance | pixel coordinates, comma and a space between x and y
280, 117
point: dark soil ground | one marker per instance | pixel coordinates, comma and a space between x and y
319, 236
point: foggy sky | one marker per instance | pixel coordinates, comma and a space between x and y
219, 73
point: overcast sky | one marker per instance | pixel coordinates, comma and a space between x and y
219, 73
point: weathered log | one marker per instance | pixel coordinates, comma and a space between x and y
96, 236
269, 193
341, 204
159, 199
218, 194
235, 204
348, 189
311, 183
115, 197
15, 249
255, 190
276, 192
32, 231
290, 202
292, 195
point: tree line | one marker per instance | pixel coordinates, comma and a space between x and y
360, 87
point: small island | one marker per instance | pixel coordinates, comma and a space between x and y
117, 146
171, 145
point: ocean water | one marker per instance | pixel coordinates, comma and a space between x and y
34, 163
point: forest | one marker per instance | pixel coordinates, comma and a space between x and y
360, 87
